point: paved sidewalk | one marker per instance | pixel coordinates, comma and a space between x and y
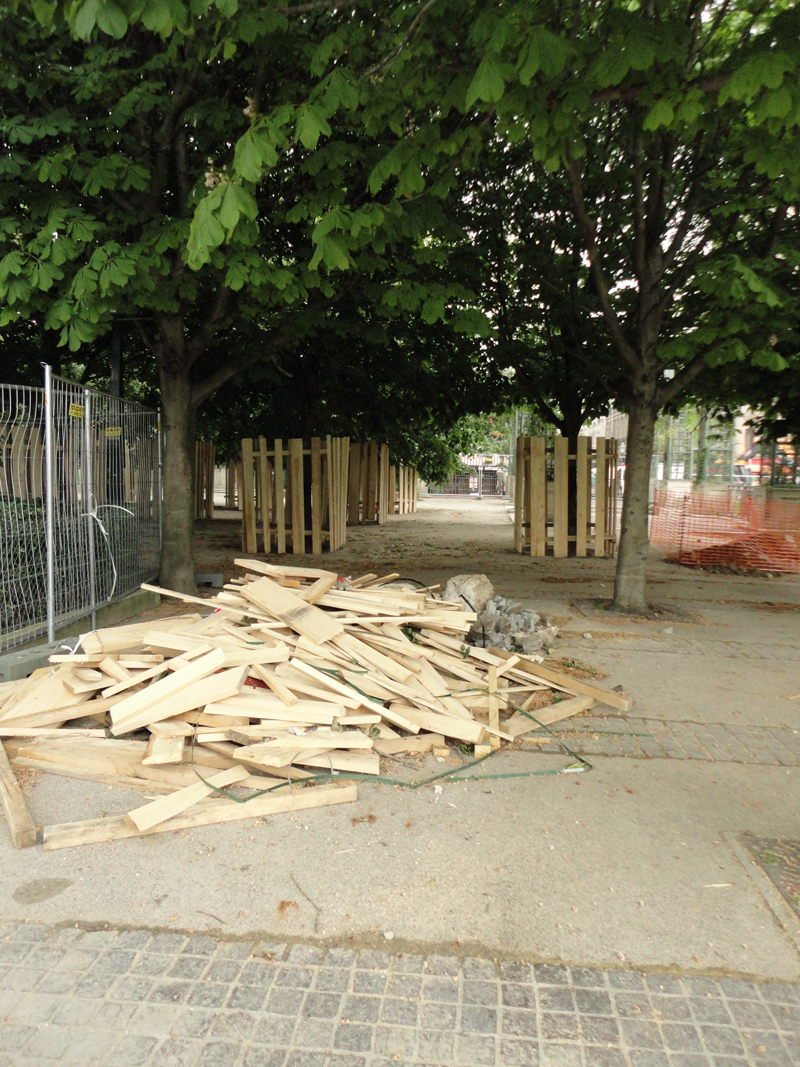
617, 735
125, 999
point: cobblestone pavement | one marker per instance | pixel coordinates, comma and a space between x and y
130, 998
614, 735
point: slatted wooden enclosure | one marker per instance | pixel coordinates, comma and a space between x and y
204, 461
368, 485
402, 490
546, 478
289, 493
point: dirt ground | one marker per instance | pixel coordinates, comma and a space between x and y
636, 861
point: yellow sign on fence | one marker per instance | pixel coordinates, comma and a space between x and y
113, 431
76, 411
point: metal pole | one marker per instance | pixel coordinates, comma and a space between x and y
88, 496
159, 480
480, 483
48, 496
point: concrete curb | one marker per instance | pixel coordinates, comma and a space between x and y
786, 919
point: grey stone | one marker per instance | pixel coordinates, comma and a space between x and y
219, 1054
475, 588
176, 1052
474, 1050
354, 1037
132, 1051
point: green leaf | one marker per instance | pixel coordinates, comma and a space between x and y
488, 84
660, 114
774, 105
310, 124
229, 209
247, 158
157, 16
86, 19
640, 53
111, 19
44, 12
530, 64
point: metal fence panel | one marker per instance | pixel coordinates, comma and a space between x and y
80, 492
23, 599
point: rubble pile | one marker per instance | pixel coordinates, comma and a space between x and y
501, 622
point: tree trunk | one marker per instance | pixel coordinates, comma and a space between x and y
629, 585
177, 562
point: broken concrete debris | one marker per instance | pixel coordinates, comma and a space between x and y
295, 678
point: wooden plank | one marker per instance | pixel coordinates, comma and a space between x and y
518, 724
248, 494
115, 827
285, 695
583, 498
298, 496
281, 603
420, 743
600, 497
316, 497
351, 762
494, 708
313, 593
280, 500
169, 686
383, 486
158, 811
265, 475
561, 497
354, 485
519, 484
578, 686
20, 824
164, 750
462, 729
537, 474
370, 502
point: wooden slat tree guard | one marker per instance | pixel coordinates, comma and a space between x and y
204, 462
542, 505
368, 485
402, 490
300, 494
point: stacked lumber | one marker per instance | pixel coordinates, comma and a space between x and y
294, 674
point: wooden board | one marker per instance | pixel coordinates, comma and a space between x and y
164, 750
265, 492
289, 608
164, 808
116, 827
578, 686
20, 824
298, 496
561, 497
583, 501
217, 687
316, 497
518, 724
248, 497
600, 497
280, 500
538, 496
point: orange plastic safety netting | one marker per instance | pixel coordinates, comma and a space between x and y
734, 528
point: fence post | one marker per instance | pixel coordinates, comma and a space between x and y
158, 488
48, 498
88, 494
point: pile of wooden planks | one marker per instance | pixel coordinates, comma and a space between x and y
295, 674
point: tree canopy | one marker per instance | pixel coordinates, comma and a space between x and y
217, 174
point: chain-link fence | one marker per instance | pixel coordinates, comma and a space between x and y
79, 504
